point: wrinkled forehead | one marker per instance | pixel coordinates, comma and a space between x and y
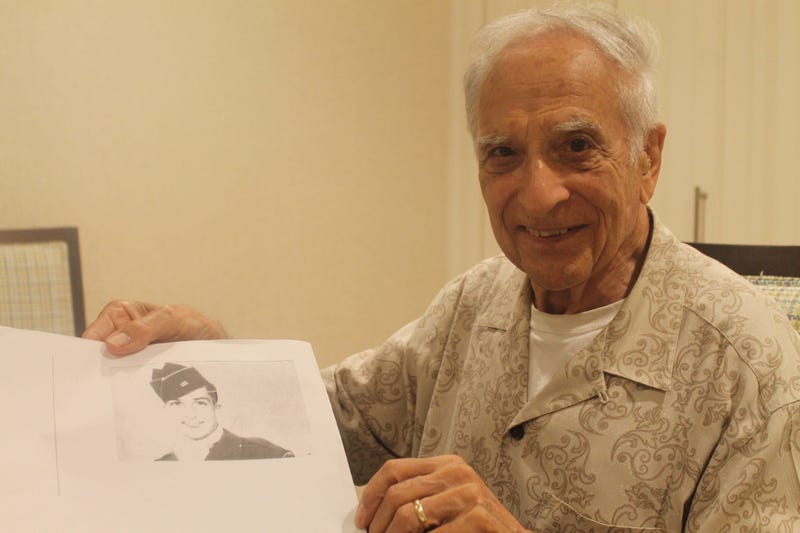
556, 57
568, 45
549, 70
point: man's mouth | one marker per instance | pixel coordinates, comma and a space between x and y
544, 233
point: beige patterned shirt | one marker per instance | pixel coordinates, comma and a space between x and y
683, 414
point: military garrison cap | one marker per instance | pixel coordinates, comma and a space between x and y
173, 381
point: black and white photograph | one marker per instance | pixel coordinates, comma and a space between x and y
220, 433
209, 411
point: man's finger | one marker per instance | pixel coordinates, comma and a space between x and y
143, 326
100, 329
113, 316
476, 520
391, 473
113, 326
402, 494
127, 327
130, 338
463, 508
399, 481
410, 518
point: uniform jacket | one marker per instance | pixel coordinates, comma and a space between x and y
230, 447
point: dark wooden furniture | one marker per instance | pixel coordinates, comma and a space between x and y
755, 259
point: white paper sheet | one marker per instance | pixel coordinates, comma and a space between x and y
83, 429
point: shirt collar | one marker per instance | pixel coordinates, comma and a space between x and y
640, 341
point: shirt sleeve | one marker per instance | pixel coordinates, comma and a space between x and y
380, 397
758, 487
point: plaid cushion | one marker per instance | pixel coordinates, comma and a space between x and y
786, 291
35, 291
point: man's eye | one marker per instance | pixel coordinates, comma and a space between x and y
501, 151
579, 145
501, 159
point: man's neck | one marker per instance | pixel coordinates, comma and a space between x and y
612, 284
197, 450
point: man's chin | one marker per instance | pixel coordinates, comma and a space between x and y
554, 280
198, 435
555, 273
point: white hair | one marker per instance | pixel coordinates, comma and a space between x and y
629, 42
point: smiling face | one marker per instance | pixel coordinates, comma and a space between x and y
565, 199
194, 414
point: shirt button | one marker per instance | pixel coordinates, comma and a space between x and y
517, 432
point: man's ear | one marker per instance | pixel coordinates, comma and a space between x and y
650, 162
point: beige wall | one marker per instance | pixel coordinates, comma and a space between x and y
302, 169
729, 86
280, 165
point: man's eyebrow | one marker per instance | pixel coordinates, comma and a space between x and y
492, 140
576, 124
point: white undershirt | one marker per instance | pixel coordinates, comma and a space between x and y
554, 339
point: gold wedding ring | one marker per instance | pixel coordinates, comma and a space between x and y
420, 512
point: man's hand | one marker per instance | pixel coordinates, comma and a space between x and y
453, 497
127, 327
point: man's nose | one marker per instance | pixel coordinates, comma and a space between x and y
543, 188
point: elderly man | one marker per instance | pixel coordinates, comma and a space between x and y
600, 376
